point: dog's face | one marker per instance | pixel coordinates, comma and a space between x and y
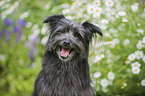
69, 39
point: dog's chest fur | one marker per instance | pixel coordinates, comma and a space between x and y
68, 80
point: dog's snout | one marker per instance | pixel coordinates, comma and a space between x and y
66, 43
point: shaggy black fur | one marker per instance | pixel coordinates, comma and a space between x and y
65, 68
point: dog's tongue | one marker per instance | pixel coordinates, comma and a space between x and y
64, 52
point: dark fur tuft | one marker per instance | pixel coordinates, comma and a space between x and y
91, 29
53, 18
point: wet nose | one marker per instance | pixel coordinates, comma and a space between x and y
66, 43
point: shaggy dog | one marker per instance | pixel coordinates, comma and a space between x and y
65, 68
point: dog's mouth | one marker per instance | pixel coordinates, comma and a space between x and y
65, 52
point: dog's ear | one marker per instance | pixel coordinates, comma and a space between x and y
91, 29
54, 18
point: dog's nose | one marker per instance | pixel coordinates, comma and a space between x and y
66, 43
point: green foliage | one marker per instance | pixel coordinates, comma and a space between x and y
117, 61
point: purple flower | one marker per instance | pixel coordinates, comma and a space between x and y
19, 35
15, 29
8, 22
21, 22
30, 55
7, 34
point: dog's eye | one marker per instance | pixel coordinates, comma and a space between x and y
60, 31
76, 34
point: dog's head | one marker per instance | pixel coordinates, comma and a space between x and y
69, 39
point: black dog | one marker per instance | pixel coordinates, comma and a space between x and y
65, 68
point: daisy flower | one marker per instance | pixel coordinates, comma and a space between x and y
140, 31
111, 76
131, 57
104, 21
109, 3
139, 54
97, 74
135, 70
124, 20
97, 10
134, 7
135, 65
143, 59
96, 2
126, 42
121, 13
104, 82
139, 45
90, 9
143, 82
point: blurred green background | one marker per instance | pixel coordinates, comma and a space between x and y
117, 61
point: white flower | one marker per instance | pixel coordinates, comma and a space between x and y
36, 31
107, 34
124, 20
127, 61
97, 74
24, 15
28, 24
32, 37
99, 57
131, 57
47, 6
44, 40
66, 11
69, 17
135, 65
135, 70
112, 30
104, 89
134, 7
138, 24
103, 27
143, 82
90, 9
97, 10
43, 30
139, 45
121, 13
143, 41
9, 10
96, 16
126, 42
143, 59
115, 41
96, 2
111, 75
102, 55
140, 31
139, 54
104, 21
109, 3
2, 57
35, 26
104, 82
5, 6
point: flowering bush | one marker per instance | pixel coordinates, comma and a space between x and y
117, 61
